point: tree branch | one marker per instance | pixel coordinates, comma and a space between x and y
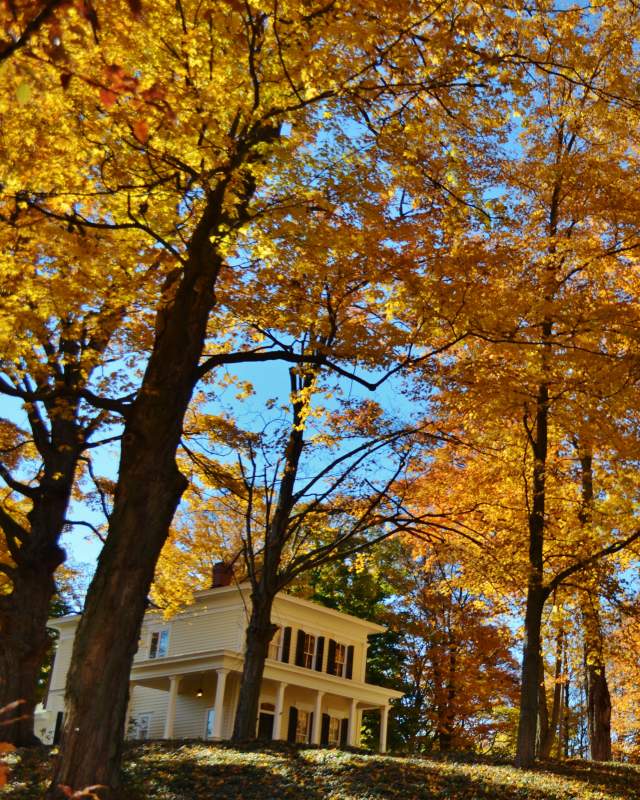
7, 48
586, 562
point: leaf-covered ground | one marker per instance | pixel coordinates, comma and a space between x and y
195, 771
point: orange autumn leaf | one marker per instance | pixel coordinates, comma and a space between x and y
141, 131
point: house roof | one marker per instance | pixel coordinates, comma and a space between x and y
245, 588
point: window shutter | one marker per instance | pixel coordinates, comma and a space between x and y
319, 653
331, 658
57, 734
293, 724
300, 648
349, 668
286, 644
344, 731
310, 728
324, 731
154, 645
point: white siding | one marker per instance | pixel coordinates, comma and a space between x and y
190, 717
206, 630
149, 701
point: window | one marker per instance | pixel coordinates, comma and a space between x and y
211, 717
308, 650
275, 645
302, 727
333, 738
142, 726
339, 660
159, 643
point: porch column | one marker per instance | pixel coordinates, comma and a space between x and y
317, 719
384, 720
221, 682
174, 685
279, 712
353, 724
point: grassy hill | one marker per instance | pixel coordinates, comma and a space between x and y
194, 771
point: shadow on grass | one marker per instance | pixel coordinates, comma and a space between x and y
198, 771
623, 779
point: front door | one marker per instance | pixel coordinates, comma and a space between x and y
265, 725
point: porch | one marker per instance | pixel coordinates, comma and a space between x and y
199, 701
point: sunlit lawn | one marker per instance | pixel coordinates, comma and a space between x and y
162, 771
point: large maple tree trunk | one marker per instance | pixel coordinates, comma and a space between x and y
23, 647
530, 680
548, 737
24, 612
536, 592
260, 631
149, 489
543, 710
598, 697
598, 713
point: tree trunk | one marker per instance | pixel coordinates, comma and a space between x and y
563, 733
266, 578
598, 713
530, 681
543, 710
260, 631
149, 489
25, 610
448, 718
597, 690
536, 592
546, 742
23, 647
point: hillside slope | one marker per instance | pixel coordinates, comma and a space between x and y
194, 771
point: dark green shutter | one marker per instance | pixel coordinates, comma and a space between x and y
300, 648
286, 644
293, 724
310, 729
324, 731
349, 670
319, 653
344, 731
331, 658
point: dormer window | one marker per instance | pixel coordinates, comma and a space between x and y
159, 643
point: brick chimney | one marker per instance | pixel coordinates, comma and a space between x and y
222, 574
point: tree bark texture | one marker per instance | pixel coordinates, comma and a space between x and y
530, 680
24, 612
260, 631
536, 592
598, 697
598, 713
547, 740
543, 711
147, 494
149, 489
23, 647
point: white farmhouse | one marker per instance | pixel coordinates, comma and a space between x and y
185, 677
